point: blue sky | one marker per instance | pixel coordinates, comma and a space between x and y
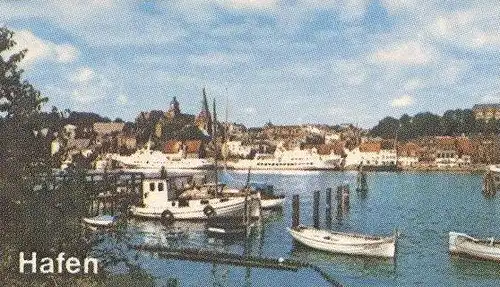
287, 61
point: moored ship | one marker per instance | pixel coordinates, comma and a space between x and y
147, 158
283, 159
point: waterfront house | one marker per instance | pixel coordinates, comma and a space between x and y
409, 154
370, 154
184, 149
486, 112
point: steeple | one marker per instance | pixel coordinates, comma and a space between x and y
174, 109
204, 119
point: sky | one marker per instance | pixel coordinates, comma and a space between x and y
284, 61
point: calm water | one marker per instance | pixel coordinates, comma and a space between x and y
423, 206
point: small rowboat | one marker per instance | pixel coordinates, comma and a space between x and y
226, 226
461, 243
272, 201
345, 243
100, 221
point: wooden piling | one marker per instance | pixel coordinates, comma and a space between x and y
316, 209
345, 197
328, 209
295, 210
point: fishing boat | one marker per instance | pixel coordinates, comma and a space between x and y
345, 243
160, 200
461, 243
100, 220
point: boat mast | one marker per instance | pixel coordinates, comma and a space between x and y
214, 141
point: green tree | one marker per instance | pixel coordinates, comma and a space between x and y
23, 150
386, 128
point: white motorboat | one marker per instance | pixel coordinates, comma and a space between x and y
282, 159
272, 202
346, 243
100, 220
461, 243
147, 158
159, 200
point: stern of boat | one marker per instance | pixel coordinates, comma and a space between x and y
452, 241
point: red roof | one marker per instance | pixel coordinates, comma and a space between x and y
370, 147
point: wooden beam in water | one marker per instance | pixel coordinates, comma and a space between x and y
223, 258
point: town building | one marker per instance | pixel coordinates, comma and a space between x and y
236, 148
370, 154
486, 112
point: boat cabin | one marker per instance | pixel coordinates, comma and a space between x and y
156, 191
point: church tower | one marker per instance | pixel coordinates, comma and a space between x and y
174, 109
204, 119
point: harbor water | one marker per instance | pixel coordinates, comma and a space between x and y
423, 207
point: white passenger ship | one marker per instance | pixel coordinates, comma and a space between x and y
282, 159
147, 158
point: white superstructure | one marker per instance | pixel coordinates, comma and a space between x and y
152, 159
282, 159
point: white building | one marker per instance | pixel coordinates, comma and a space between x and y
69, 131
407, 161
382, 157
331, 138
235, 148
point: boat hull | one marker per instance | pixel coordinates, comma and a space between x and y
460, 243
345, 243
100, 221
272, 203
194, 209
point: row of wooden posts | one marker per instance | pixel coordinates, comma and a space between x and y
341, 197
112, 192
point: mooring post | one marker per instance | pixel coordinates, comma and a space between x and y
345, 197
295, 210
316, 209
328, 210
338, 197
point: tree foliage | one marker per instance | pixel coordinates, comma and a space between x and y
451, 123
22, 144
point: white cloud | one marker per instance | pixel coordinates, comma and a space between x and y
83, 75
403, 101
66, 53
250, 111
42, 50
122, 99
407, 53
413, 84
395, 6
250, 4
220, 59
89, 87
